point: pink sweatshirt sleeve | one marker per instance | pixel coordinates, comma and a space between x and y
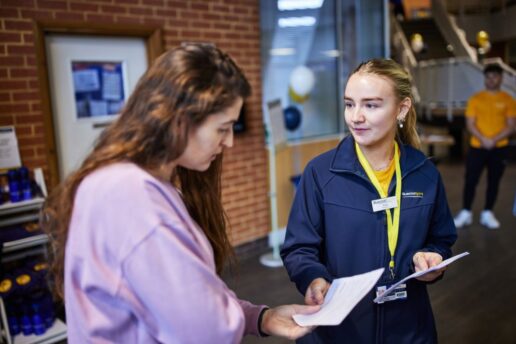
180, 297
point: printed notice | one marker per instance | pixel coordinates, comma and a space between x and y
342, 297
9, 153
444, 263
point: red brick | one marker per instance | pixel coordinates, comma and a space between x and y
190, 34
113, 9
189, 14
41, 151
27, 152
23, 72
159, 3
25, 130
8, 12
158, 22
6, 120
99, 18
52, 5
27, 96
127, 19
4, 97
19, 25
199, 6
35, 107
32, 163
12, 85
70, 16
84, 7
10, 37
20, 50
177, 4
18, 3
39, 129
39, 14
29, 119
131, 2
167, 12
141, 11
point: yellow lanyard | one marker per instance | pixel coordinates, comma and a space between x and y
393, 224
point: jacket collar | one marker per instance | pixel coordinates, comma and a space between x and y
345, 158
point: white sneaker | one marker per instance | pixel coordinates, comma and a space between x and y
488, 219
463, 218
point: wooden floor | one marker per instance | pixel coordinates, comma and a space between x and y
474, 303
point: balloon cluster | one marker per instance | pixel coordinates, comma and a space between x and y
416, 42
483, 42
301, 83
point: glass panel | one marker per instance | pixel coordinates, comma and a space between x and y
323, 40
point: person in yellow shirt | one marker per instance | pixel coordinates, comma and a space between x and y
490, 118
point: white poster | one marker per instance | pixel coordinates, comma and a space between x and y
9, 153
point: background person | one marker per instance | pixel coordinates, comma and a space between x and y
139, 230
490, 118
334, 230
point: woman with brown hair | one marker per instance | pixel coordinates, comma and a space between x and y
374, 201
139, 231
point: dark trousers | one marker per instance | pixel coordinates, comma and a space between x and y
477, 159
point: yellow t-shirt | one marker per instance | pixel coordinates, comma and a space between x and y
384, 176
491, 111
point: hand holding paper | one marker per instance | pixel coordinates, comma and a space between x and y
342, 297
444, 263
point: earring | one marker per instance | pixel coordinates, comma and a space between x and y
400, 123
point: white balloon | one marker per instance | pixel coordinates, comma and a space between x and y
417, 45
302, 80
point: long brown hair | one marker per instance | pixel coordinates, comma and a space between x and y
402, 86
177, 93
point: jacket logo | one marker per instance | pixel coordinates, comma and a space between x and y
412, 194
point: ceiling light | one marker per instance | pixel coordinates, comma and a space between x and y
296, 21
288, 5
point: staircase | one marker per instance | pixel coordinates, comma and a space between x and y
435, 43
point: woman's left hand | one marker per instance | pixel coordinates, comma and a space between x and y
425, 260
278, 321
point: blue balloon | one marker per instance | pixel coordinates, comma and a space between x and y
292, 117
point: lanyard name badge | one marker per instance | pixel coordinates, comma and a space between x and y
385, 203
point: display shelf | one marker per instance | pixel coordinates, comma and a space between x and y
54, 334
24, 243
20, 207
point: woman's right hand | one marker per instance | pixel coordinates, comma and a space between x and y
316, 291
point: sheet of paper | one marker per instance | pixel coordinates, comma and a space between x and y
9, 153
342, 297
420, 273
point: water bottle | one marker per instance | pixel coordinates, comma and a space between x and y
13, 178
26, 190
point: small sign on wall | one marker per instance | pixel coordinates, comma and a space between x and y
98, 88
9, 153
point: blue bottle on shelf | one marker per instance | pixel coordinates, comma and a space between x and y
38, 324
25, 187
13, 178
7, 293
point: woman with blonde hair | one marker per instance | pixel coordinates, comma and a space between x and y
373, 201
139, 232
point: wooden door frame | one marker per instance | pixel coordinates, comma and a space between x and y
154, 45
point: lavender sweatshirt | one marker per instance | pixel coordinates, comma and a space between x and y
138, 269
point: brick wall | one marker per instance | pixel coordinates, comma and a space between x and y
232, 25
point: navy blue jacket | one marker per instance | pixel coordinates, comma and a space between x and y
333, 232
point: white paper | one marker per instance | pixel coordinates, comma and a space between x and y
342, 297
9, 153
274, 123
86, 80
420, 273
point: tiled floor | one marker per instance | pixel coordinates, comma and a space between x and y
474, 303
